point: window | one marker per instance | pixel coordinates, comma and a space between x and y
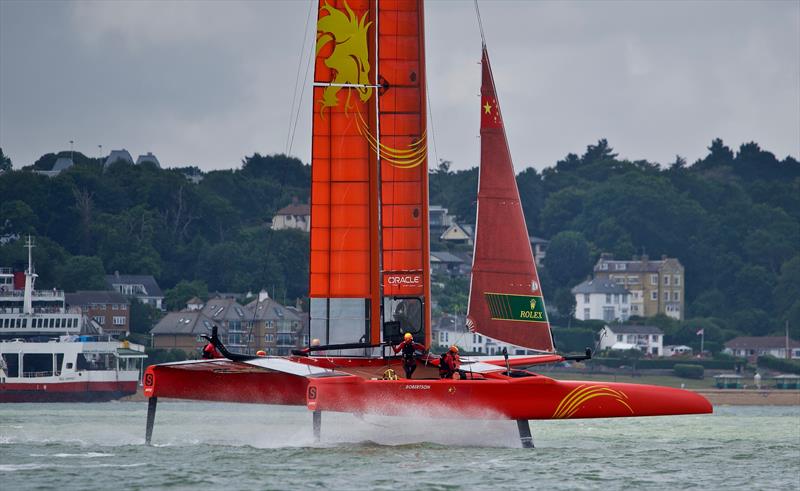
100, 319
608, 314
585, 298
677, 280
676, 296
653, 279
586, 314
119, 320
624, 298
653, 295
269, 338
666, 296
619, 266
666, 280
604, 266
608, 298
619, 337
655, 338
616, 298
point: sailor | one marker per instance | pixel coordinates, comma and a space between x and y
449, 363
409, 347
210, 352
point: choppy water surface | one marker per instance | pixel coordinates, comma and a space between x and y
101, 446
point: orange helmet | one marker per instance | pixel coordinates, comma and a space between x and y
408, 336
454, 348
261, 352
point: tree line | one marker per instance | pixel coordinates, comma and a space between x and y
732, 218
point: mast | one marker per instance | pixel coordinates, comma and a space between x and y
505, 301
369, 169
30, 278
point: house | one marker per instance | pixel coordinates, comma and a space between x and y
143, 287
182, 330
752, 347
438, 219
109, 310
657, 287
458, 234
295, 216
443, 262
539, 248
278, 329
61, 164
118, 156
148, 157
648, 339
602, 300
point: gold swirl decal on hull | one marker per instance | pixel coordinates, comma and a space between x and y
573, 401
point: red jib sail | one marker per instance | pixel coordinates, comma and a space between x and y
505, 301
369, 201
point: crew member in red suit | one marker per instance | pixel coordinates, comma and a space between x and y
210, 352
408, 347
449, 363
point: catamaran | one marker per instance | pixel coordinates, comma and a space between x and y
369, 260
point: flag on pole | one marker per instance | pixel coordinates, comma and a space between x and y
701, 332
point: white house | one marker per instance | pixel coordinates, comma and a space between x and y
648, 339
295, 216
754, 346
602, 300
677, 350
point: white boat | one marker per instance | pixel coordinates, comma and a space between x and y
46, 354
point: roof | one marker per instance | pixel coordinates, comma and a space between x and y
194, 301
219, 309
635, 266
148, 157
599, 286
116, 155
183, 323
95, 296
295, 209
62, 163
269, 309
445, 257
635, 329
538, 240
146, 280
763, 342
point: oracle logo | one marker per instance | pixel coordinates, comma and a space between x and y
404, 279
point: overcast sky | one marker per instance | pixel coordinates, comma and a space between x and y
207, 82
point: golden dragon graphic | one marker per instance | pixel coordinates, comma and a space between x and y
573, 401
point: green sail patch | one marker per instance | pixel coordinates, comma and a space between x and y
528, 308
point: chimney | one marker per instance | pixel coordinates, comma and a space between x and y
263, 295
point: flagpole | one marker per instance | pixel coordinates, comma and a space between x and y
702, 338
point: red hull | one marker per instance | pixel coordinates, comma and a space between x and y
535, 397
66, 391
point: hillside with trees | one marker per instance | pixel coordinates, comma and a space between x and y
731, 218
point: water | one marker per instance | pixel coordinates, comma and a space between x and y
101, 446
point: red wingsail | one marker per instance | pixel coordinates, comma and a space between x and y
505, 301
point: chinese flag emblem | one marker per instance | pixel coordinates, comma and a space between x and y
490, 113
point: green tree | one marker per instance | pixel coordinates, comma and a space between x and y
175, 298
81, 273
143, 316
568, 259
5, 162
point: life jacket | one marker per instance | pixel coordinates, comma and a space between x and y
408, 350
444, 365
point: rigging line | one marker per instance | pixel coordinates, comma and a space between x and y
433, 124
297, 76
480, 23
300, 101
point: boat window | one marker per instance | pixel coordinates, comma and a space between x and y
59, 362
12, 364
69, 366
406, 311
37, 364
340, 320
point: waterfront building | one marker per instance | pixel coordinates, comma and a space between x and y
601, 300
142, 286
296, 216
109, 310
657, 287
751, 347
648, 339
